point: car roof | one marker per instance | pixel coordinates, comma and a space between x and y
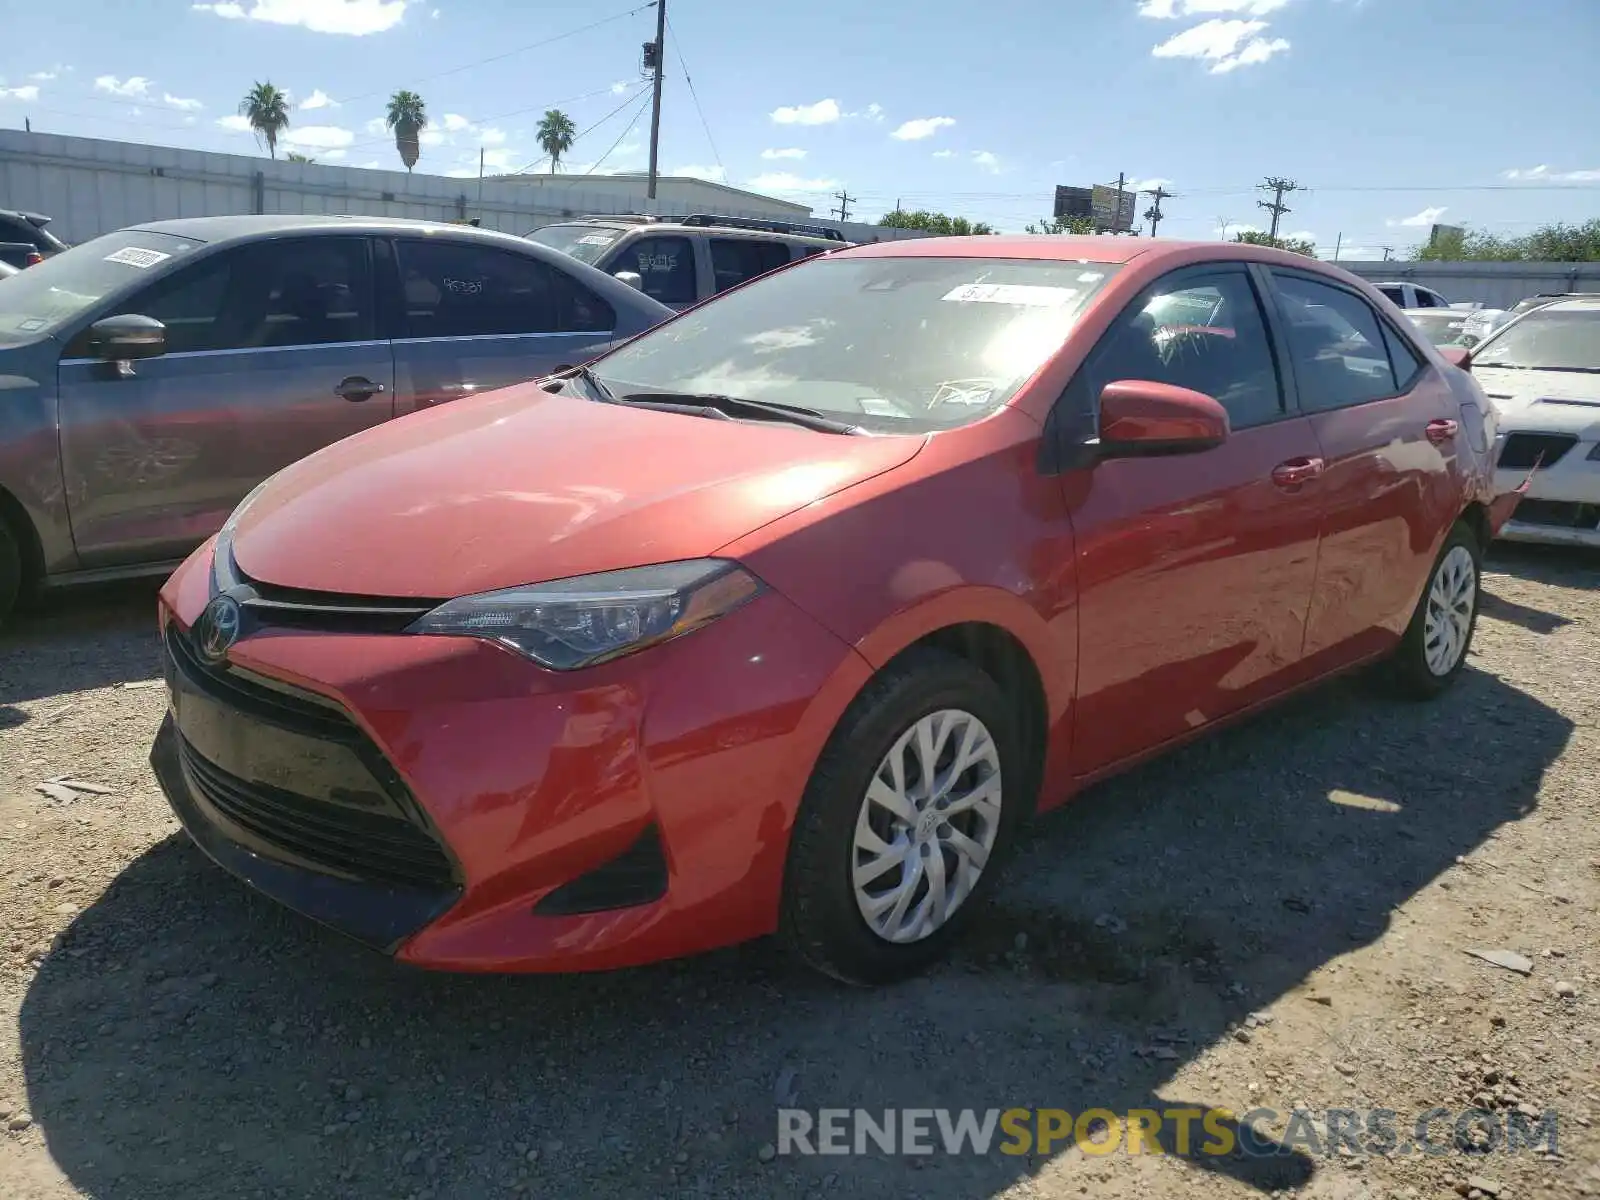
241, 226
1583, 304
1113, 251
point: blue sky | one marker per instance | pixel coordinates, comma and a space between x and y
1393, 113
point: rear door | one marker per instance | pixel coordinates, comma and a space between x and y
272, 353
1387, 425
471, 317
1195, 572
736, 260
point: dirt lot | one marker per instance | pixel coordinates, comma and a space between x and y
1278, 917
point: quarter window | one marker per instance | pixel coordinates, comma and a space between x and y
453, 289
666, 266
733, 261
1402, 357
1335, 343
1205, 333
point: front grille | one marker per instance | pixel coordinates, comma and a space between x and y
336, 612
276, 704
1524, 450
1562, 514
359, 845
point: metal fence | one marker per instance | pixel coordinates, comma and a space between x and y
1493, 284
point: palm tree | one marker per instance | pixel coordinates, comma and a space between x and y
555, 135
296, 157
407, 116
267, 110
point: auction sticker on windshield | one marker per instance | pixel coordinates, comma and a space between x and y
135, 256
597, 239
1027, 294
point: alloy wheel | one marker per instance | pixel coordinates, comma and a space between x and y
1452, 598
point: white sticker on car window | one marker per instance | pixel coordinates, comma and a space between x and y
135, 256
31, 324
1091, 276
597, 239
971, 392
1030, 295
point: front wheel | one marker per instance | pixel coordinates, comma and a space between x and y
1434, 648
907, 818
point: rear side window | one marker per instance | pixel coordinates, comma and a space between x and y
1204, 332
1394, 295
1336, 344
734, 261
664, 264
453, 289
1402, 358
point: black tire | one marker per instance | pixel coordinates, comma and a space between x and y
1409, 671
11, 577
821, 922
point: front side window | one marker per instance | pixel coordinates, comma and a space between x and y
454, 289
664, 264
1395, 295
1544, 340
1202, 332
891, 344
1335, 343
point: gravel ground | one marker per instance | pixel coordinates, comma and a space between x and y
1278, 916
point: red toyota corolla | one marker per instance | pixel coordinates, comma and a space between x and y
787, 615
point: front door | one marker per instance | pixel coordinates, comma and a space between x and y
271, 354
1194, 572
1387, 424
475, 317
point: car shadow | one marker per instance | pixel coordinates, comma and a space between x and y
78, 639
187, 1036
1568, 566
1535, 620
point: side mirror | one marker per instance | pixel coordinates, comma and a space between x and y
1457, 356
1140, 418
632, 278
121, 339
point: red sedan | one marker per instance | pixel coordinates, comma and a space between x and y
786, 615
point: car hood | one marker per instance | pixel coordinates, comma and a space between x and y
519, 486
1558, 401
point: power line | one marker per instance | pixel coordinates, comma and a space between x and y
579, 137
639, 112
704, 124
845, 199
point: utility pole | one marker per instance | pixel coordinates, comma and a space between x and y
655, 102
844, 198
1337, 242
1153, 213
1387, 251
1116, 217
1222, 228
1279, 188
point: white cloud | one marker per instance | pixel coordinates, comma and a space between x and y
988, 161
27, 91
1302, 235
135, 87
620, 86
316, 137
235, 123
1426, 217
491, 137
377, 127
181, 102
944, 153
823, 112
874, 112
922, 127
356, 17
1256, 50
434, 14
330, 155
44, 76
431, 136
372, 165
455, 123
695, 171
1544, 173
1146, 185
783, 181
318, 99
1224, 44
1234, 230
776, 155
1166, 10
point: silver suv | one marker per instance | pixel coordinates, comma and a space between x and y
680, 261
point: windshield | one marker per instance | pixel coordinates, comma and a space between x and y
1442, 328
1543, 340
891, 344
64, 286
583, 242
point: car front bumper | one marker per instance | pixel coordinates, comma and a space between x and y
1561, 503
451, 803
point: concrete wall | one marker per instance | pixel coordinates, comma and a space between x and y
90, 186
1494, 284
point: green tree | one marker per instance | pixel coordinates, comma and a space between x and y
935, 223
296, 156
1254, 237
407, 116
267, 110
555, 135
1076, 226
1559, 242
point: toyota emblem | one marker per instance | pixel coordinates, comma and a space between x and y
218, 628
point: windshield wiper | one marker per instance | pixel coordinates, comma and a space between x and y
737, 406
588, 377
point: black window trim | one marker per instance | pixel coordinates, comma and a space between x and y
1387, 326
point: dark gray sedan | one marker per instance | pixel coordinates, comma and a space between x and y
151, 377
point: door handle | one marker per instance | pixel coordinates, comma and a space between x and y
1296, 471
356, 388
1441, 430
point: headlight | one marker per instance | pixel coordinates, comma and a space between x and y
578, 622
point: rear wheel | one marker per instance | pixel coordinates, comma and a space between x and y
1434, 649
906, 821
